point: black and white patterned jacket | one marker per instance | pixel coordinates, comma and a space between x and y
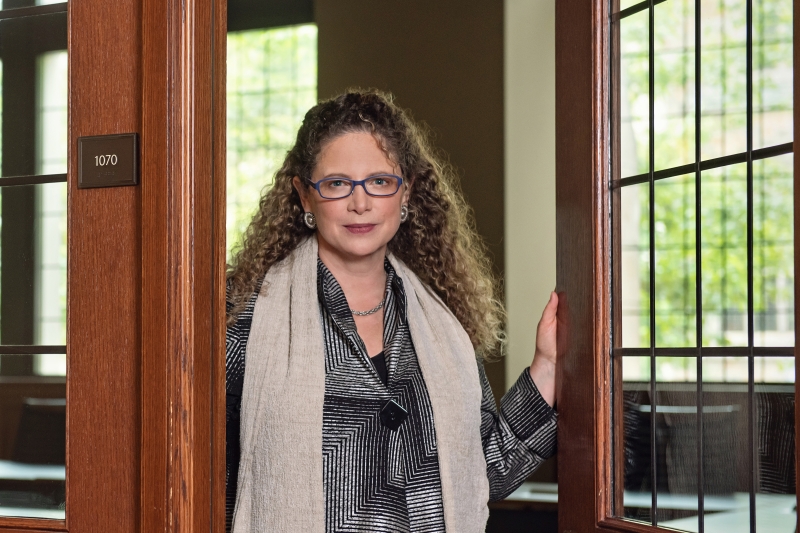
376, 479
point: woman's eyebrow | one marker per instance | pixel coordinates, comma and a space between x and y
343, 175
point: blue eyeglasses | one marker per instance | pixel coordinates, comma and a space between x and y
335, 187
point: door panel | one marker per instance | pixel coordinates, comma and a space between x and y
588, 197
145, 273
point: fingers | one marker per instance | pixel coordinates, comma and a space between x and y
551, 308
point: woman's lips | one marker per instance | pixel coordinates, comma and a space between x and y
359, 228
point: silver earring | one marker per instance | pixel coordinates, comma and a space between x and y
310, 220
403, 213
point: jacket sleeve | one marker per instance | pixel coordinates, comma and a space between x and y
518, 438
235, 342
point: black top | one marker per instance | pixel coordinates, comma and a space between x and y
379, 362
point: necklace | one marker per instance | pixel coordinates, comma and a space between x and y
371, 311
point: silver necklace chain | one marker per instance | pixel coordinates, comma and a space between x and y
371, 311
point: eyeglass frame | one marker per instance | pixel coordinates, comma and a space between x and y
354, 184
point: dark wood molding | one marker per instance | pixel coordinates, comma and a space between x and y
583, 262
32, 525
796, 33
183, 266
104, 277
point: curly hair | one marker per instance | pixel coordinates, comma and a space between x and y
438, 241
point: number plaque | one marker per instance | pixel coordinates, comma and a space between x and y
108, 161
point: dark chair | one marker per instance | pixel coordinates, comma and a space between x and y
42, 434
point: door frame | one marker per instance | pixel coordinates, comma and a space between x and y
583, 236
145, 445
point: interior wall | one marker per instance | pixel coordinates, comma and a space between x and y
442, 60
530, 213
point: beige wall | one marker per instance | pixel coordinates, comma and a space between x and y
443, 60
453, 65
530, 239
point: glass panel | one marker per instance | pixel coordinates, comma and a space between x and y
26, 46
772, 73
33, 251
624, 4
636, 368
51, 116
635, 267
676, 440
724, 256
773, 252
634, 95
675, 221
775, 438
723, 78
33, 450
13, 4
636, 436
33, 247
726, 461
674, 106
774, 370
272, 82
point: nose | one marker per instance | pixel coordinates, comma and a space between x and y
360, 201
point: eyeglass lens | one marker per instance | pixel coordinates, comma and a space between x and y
375, 186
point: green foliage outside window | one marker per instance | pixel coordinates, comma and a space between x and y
723, 190
272, 82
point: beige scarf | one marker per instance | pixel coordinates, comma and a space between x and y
280, 474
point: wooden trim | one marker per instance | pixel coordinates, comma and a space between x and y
583, 261
617, 415
796, 78
182, 265
104, 276
32, 525
618, 524
220, 111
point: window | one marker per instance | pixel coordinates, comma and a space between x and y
704, 344
51, 217
272, 82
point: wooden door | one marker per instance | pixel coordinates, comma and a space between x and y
588, 230
145, 271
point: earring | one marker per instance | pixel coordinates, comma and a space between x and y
403, 213
310, 220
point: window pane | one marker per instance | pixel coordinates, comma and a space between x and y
272, 82
676, 442
636, 436
26, 47
51, 153
674, 61
772, 73
33, 251
33, 269
776, 486
724, 256
725, 420
624, 4
635, 267
634, 95
675, 290
724, 80
773, 252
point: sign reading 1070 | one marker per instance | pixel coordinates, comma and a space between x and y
103, 160
108, 161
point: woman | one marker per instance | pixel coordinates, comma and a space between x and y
363, 303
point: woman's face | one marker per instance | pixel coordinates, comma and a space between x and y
357, 226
